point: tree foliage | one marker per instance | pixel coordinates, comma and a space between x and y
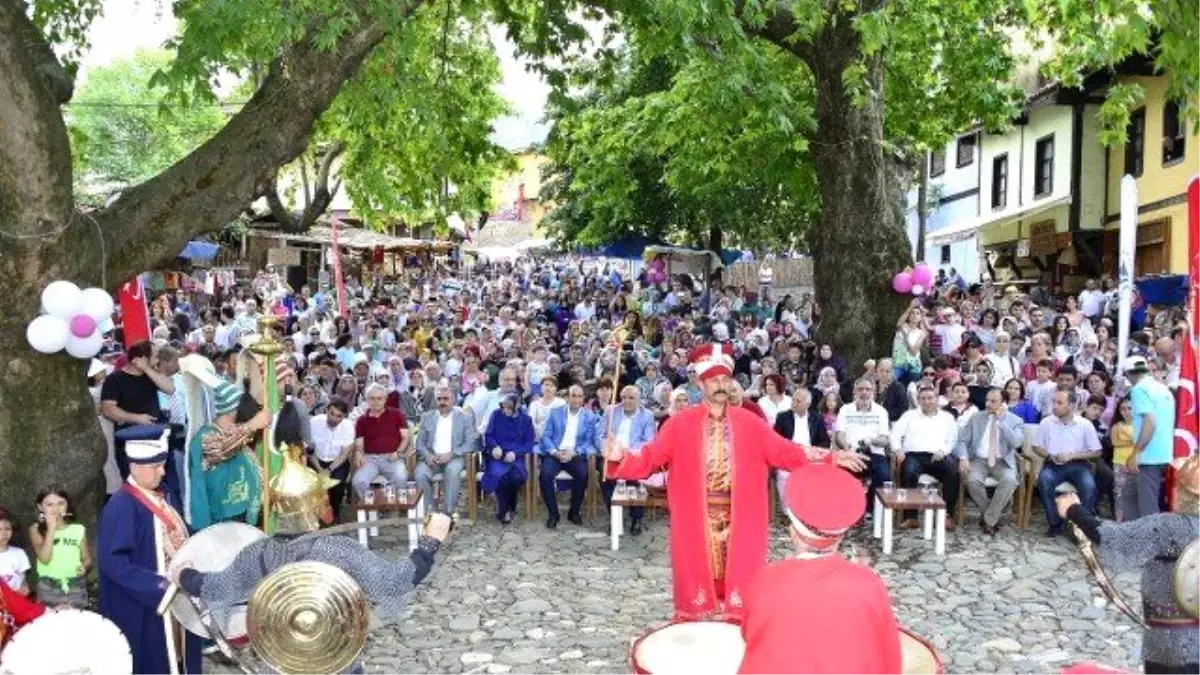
124, 131
1095, 35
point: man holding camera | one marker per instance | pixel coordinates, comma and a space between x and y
863, 427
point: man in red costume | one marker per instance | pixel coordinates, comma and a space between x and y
16, 610
715, 454
818, 612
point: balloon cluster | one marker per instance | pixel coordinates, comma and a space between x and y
71, 320
658, 271
917, 280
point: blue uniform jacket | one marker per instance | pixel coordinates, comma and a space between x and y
130, 587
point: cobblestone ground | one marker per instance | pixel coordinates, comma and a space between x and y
526, 599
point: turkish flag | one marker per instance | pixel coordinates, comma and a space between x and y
1187, 414
135, 315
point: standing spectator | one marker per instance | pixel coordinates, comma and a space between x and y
60, 544
129, 397
1091, 301
14, 563
1153, 440
380, 437
890, 393
1121, 437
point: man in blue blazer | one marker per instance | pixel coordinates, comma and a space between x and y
633, 426
567, 441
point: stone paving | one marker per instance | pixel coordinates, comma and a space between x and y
530, 600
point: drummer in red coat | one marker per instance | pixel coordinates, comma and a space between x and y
818, 612
716, 454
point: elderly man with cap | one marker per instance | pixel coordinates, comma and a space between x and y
1153, 440
140, 530
818, 612
715, 550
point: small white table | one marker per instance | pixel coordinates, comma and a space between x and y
616, 525
888, 501
412, 511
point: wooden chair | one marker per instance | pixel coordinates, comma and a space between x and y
474, 476
591, 498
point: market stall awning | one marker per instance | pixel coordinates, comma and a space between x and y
357, 238
682, 252
199, 250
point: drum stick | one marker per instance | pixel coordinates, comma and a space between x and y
165, 604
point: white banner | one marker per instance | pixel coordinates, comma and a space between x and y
1125, 264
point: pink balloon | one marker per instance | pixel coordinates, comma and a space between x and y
902, 282
922, 274
82, 325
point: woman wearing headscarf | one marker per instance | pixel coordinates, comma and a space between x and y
827, 383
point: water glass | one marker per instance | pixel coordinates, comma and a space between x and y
888, 485
412, 491
902, 494
369, 497
389, 494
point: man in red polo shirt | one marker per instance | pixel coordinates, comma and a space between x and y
379, 437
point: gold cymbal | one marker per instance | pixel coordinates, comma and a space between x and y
308, 617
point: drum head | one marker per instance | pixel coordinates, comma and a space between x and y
690, 647
917, 656
68, 641
1186, 580
209, 550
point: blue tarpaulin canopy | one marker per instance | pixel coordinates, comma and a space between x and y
199, 250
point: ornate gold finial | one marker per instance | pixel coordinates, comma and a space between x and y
267, 345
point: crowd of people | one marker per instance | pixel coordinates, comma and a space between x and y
555, 358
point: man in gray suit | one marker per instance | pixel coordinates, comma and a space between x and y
987, 448
445, 437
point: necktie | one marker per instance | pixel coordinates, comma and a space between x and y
993, 442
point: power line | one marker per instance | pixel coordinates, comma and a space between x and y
118, 104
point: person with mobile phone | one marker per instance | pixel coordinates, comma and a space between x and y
60, 544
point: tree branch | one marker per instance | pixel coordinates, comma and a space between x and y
304, 179
282, 214
779, 29
322, 196
35, 153
150, 223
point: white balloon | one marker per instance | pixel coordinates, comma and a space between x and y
918, 289
86, 347
62, 299
97, 303
47, 334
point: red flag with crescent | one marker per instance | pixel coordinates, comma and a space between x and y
1187, 413
135, 315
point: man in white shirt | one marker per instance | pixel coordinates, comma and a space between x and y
333, 445
923, 440
1091, 301
444, 438
864, 424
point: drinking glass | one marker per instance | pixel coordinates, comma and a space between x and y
411, 491
902, 494
389, 494
888, 485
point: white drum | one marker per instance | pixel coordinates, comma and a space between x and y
68, 641
692, 647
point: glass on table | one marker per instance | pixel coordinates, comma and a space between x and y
389, 494
902, 494
369, 497
888, 485
411, 492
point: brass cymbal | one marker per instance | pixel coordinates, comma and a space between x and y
308, 617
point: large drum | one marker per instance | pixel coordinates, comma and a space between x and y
66, 642
717, 647
689, 647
